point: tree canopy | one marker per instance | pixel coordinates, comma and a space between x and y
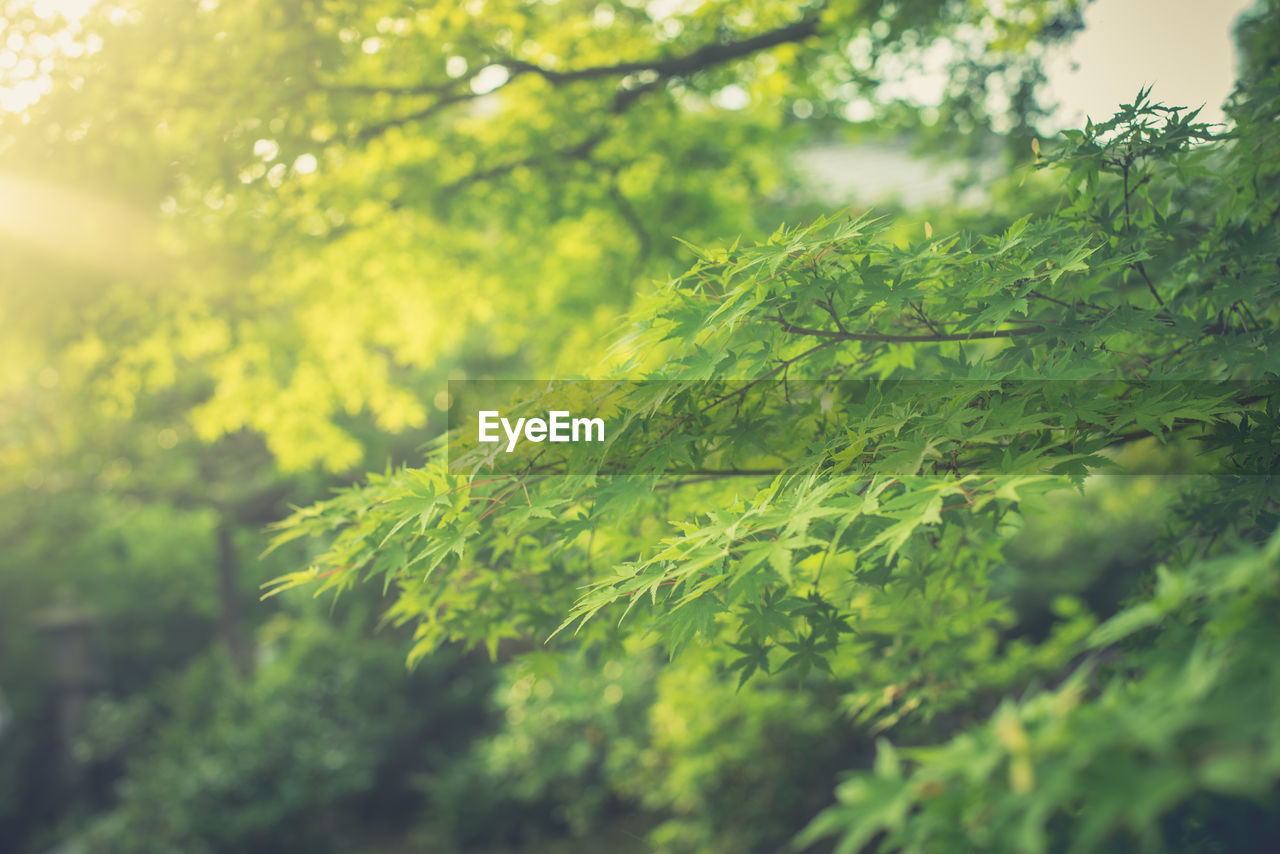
394, 189
1018, 592
1153, 263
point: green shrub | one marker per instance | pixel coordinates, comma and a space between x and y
321, 743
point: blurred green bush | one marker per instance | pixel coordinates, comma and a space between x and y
315, 752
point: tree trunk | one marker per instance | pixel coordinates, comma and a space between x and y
229, 623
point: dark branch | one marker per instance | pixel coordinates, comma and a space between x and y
633, 220
678, 66
577, 151
903, 339
380, 128
443, 88
704, 57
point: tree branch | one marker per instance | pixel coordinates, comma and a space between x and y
380, 128
678, 66
577, 151
704, 57
904, 339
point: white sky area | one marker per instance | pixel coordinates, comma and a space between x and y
1183, 48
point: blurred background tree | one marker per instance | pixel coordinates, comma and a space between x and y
243, 244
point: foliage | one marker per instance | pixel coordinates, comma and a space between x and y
1166, 707
140, 570
1158, 264
257, 236
1075, 286
732, 768
312, 749
553, 767
377, 195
